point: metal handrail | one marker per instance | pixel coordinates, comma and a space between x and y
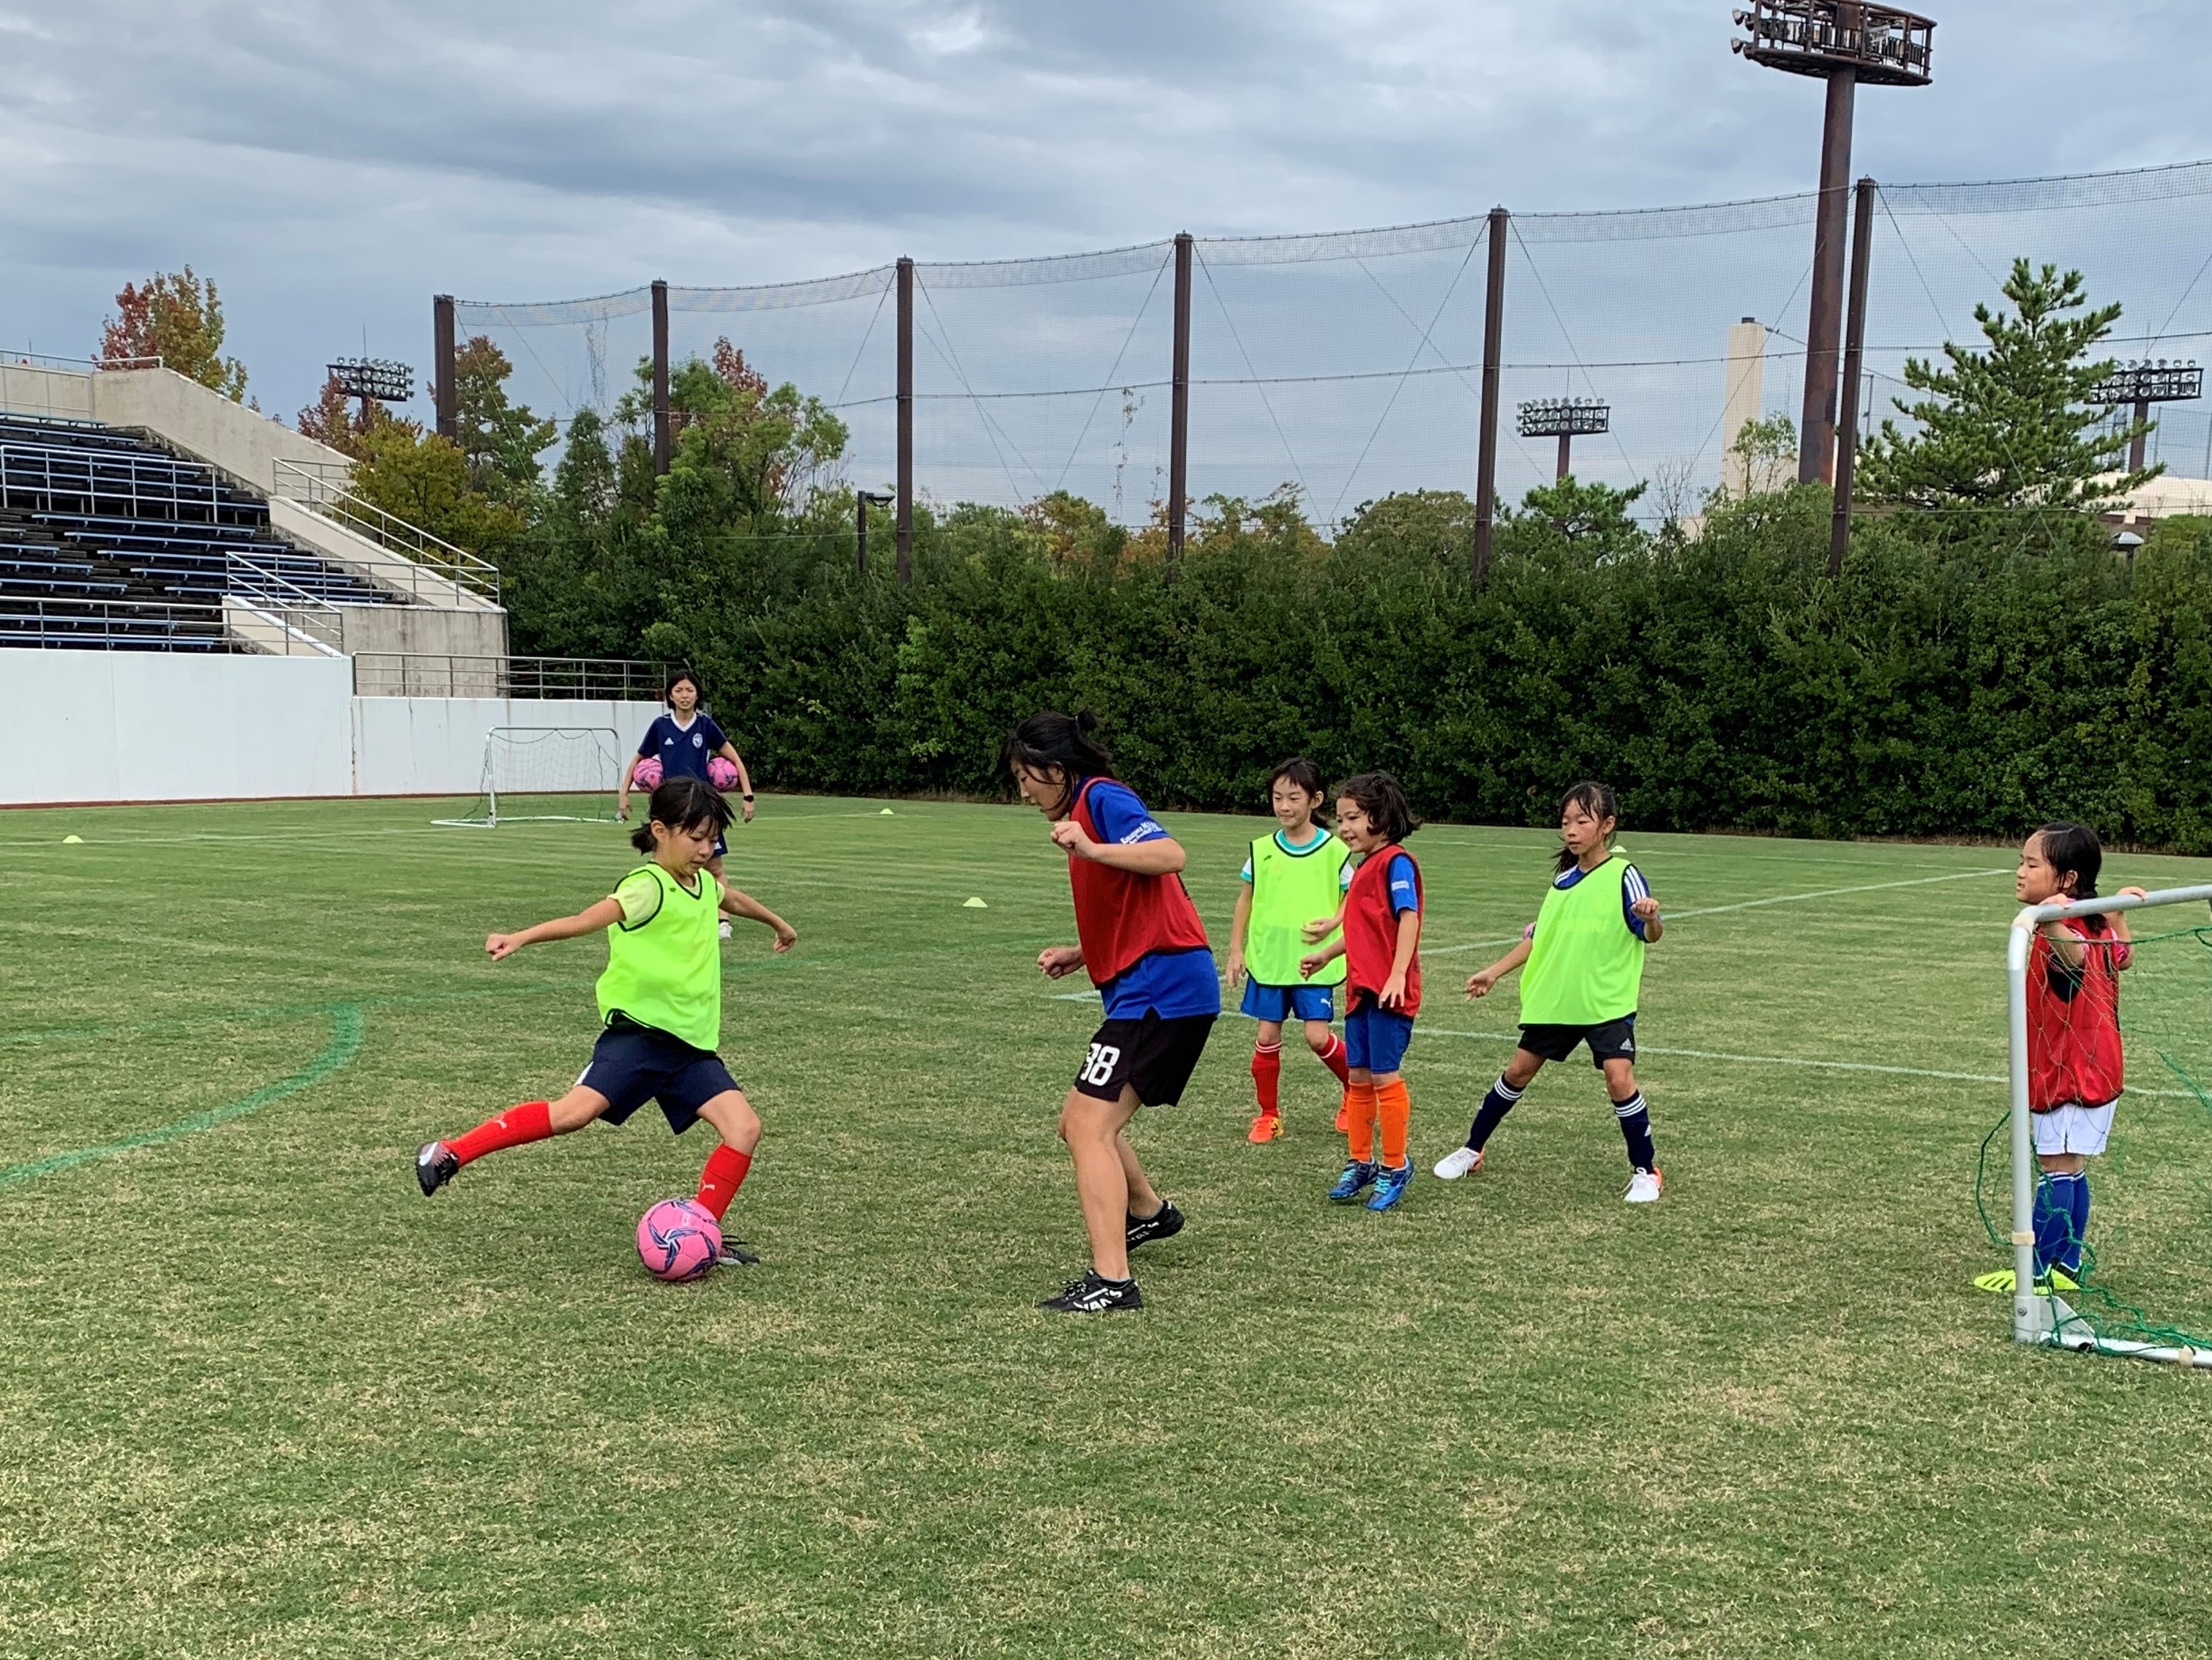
431, 674
38, 360
309, 488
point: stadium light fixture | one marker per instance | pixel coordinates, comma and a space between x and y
1566, 419
1843, 43
373, 380
2142, 385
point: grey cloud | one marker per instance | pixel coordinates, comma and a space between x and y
333, 164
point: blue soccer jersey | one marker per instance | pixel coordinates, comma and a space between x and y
1171, 983
684, 751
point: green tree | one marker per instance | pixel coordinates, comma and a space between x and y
423, 478
2008, 425
501, 440
1594, 517
177, 317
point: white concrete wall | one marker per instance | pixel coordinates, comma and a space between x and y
146, 726
95, 726
435, 745
46, 394
208, 426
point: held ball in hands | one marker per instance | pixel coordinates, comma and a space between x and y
678, 1239
720, 774
646, 774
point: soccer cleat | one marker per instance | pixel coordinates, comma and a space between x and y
1344, 1116
1162, 1224
1643, 1187
1358, 1176
1390, 1187
1094, 1294
434, 1166
736, 1254
1267, 1127
1459, 1161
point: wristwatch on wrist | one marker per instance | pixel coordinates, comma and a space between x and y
748, 795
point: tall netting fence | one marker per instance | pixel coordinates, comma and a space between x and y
1348, 366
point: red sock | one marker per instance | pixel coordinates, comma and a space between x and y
724, 1175
531, 1121
1333, 1057
1268, 1076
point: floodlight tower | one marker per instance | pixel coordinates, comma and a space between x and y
2142, 385
374, 380
1566, 419
1847, 44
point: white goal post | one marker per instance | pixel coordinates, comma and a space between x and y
543, 775
2048, 1318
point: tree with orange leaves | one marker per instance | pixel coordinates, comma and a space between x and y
177, 317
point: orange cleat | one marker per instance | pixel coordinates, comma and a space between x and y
1344, 1116
1267, 1127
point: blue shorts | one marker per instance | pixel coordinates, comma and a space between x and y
633, 1064
1289, 1002
1376, 1037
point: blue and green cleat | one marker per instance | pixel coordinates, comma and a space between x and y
1358, 1176
1390, 1187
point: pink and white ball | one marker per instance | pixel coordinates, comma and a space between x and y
646, 776
678, 1239
720, 774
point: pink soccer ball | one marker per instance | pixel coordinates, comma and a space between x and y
720, 774
646, 774
678, 1239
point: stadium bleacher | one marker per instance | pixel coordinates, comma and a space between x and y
108, 540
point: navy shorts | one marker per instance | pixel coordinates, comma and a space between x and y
633, 1064
1288, 1002
1608, 1040
1375, 1038
1153, 1056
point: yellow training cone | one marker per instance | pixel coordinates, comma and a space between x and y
973, 904
66, 840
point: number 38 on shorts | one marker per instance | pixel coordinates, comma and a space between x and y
1151, 1056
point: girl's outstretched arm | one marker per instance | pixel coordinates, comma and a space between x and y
1479, 982
1322, 927
596, 918
739, 903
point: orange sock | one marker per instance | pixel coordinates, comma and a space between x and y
1360, 1136
1395, 1108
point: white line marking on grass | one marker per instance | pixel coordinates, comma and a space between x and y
1752, 904
1746, 1059
1799, 1060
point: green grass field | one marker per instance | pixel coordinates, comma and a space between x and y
257, 1398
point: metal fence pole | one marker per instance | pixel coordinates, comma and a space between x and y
659, 376
1493, 347
1847, 429
905, 420
442, 348
1179, 402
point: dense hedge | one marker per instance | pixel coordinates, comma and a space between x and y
1968, 684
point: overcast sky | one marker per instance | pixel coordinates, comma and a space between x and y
332, 166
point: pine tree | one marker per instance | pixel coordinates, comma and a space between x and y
2010, 424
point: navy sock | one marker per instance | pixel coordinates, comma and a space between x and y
1491, 1113
2054, 1221
1636, 1129
2072, 1260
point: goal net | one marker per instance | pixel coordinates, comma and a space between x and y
2133, 1268
547, 774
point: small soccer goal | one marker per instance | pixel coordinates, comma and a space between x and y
547, 775
2142, 1289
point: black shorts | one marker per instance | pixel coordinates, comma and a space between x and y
1152, 1056
633, 1064
1608, 1040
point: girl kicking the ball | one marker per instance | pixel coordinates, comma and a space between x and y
1146, 949
660, 1005
1585, 954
